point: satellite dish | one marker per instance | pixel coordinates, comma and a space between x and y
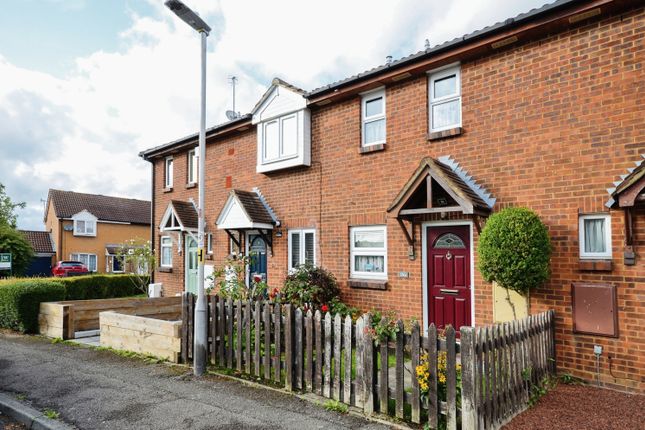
231, 115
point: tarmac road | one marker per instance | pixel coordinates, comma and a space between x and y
100, 390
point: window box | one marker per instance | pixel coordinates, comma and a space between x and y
444, 99
368, 252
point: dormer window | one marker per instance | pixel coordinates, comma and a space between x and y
373, 114
283, 128
84, 224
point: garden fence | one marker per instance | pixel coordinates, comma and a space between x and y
477, 378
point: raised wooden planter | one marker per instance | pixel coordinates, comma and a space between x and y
63, 319
141, 334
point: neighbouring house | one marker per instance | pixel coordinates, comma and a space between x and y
44, 252
91, 228
387, 177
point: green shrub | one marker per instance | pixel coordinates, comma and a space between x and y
15, 243
310, 287
514, 250
20, 302
20, 298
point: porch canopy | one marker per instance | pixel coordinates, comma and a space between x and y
438, 186
179, 216
629, 195
247, 210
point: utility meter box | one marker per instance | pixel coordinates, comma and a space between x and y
154, 290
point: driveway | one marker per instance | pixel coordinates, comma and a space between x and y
99, 390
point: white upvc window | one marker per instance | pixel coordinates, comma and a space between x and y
445, 99
209, 243
373, 117
368, 252
84, 228
595, 236
89, 260
192, 167
280, 138
168, 172
302, 247
166, 252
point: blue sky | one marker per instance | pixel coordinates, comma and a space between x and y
87, 84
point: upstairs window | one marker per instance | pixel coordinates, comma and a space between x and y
302, 247
84, 228
209, 243
192, 167
373, 114
368, 252
595, 236
280, 138
168, 172
445, 99
166, 252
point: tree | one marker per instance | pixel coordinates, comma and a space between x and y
514, 250
13, 242
8, 208
137, 257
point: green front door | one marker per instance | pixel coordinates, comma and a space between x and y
191, 265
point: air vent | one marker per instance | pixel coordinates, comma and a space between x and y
585, 15
504, 42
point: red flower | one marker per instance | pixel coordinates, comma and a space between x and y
324, 308
257, 278
274, 293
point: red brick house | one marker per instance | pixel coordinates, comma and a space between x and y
386, 178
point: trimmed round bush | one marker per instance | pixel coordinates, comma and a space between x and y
514, 250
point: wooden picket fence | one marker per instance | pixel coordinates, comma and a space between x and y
486, 379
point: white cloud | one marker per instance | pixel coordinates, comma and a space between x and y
114, 104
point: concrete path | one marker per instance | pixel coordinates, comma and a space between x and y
99, 390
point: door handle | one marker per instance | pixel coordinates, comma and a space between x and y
449, 291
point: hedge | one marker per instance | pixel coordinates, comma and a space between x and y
20, 298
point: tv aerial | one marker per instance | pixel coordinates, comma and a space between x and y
232, 114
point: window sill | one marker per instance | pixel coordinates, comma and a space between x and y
368, 284
372, 148
595, 265
167, 190
191, 185
443, 134
165, 269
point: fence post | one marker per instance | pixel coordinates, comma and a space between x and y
468, 381
451, 379
288, 346
368, 368
554, 367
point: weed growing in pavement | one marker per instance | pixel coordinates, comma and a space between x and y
569, 379
537, 391
21, 397
51, 414
336, 406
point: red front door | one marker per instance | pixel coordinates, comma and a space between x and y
449, 275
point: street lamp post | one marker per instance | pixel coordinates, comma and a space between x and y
201, 316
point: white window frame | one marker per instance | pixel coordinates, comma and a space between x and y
76, 256
168, 172
162, 246
367, 97
376, 252
209, 243
581, 236
301, 258
84, 232
280, 121
192, 166
432, 101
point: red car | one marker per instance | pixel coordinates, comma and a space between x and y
69, 268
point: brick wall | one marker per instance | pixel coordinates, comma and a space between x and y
548, 124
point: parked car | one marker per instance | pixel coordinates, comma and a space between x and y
69, 268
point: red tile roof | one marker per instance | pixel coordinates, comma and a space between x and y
105, 208
39, 240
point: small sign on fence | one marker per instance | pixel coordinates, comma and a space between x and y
5, 261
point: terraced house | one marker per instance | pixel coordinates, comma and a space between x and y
386, 179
